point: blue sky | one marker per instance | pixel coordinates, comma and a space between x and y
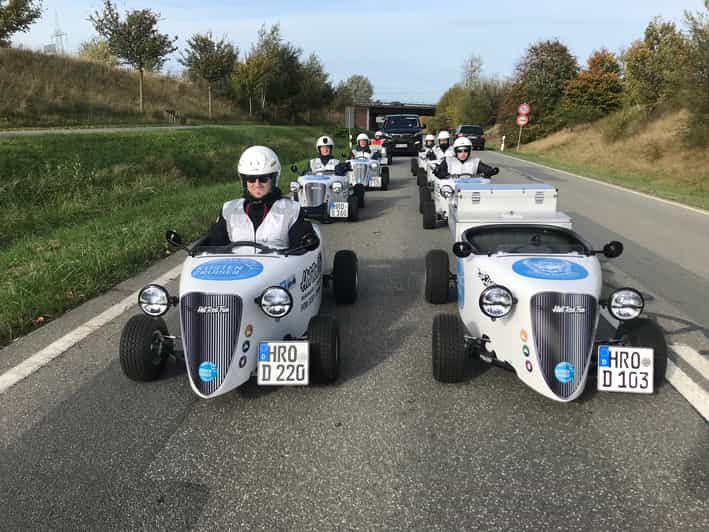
410, 50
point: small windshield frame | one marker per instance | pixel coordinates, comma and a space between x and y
525, 239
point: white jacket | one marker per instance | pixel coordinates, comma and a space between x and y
456, 167
273, 231
440, 154
317, 167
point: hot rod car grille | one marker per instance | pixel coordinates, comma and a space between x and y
563, 327
360, 172
210, 328
314, 194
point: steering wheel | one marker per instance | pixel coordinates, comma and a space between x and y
465, 176
245, 243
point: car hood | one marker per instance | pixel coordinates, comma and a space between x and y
399, 131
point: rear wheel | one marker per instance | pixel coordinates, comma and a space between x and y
429, 214
643, 332
345, 277
353, 209
324, 340
421, 177
359, 192
437, 276
448, 352
414, 166
385, 178
424, 195
143, 348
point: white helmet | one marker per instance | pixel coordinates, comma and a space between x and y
444, 135
259, 160
324, 141
430, 138
462, 142
362, 136
378, 134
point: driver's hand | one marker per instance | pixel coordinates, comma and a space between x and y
431, 156
493, 172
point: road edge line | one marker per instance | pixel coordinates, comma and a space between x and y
689, 389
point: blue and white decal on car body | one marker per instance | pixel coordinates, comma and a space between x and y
228, 270
550, 269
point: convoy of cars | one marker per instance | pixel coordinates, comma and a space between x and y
529, 292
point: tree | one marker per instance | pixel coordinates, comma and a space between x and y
97, 50
209, 60
247, 78
136, 40
654, 66
471, 72
696, 79
596, 91
17, 16
315, 90
360, 88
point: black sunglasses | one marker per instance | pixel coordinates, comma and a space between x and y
259, 178
461, 150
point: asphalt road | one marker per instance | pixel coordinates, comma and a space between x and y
386, 448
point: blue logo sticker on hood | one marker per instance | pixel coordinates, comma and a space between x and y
316, 177
550, 269
228, 270
208, 371
564, 372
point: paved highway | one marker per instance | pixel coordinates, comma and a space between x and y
386, 448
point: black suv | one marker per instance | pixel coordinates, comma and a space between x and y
404, 131
474, 133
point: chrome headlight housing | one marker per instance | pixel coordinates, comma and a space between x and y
496, 301
446, 191
626, 304
337, 186
154, 300
276, 302
294, 186
373, 166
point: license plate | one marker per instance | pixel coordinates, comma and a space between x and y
625, 369
283, 364
375, 182
402, 146
339, 209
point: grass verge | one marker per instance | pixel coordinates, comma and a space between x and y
80, 213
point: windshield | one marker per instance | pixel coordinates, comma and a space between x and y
396, 122
524, 239
471, 130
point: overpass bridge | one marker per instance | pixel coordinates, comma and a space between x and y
371, 115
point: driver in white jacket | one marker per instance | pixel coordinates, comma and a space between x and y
443, 149
325, 163
463, 163
263, 215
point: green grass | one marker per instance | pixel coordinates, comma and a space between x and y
80, 213
657, 184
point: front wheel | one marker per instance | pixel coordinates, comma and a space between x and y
359, 192
429, 214
643, 332
143, 348
385, 178
353, 209
414, 166
424, 195
421, 177
345, 277
448, 353
324, 345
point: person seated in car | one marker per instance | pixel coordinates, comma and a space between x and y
429, 143
362, 150
443, 149
463, 163
325, 162
262, 215
378, 139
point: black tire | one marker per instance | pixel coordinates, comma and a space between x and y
424, 195
141, 358
437, 277
385, 179
429, 214
644, 332
421, 177
324, 340
353, 208
345, 277
414, 166
448, 352
359, 192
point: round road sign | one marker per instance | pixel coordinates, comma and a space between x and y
522, 120
524, 109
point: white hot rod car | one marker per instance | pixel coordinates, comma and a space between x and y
326, 196
368, 174
529, 293
435, 197
245, 310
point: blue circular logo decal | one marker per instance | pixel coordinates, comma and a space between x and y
208, 371
564, 372
550, 269
316, 177
228, 270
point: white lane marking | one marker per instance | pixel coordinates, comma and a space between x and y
45, 356
691, 357
611, 185
691, 391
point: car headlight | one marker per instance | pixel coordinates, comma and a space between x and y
154, 300
626, 304
337, 186
373, 166
496, 301
446, 191
294, 186
276, 302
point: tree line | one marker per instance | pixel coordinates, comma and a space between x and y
270, 81
665, 69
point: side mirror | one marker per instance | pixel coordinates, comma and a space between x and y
174, 238
613, 249
294, 169
462, 249
418, 143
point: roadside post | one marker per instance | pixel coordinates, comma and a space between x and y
349, 122
502, 146
523, 111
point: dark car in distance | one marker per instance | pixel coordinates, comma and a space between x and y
403, 132
474, 133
